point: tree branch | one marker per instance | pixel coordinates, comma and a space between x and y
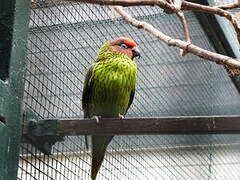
125, 3
176, 6
169, 4
172, 6
211, 56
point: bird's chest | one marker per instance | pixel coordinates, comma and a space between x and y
111, 91
112, 85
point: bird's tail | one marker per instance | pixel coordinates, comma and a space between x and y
86, 142
99, 146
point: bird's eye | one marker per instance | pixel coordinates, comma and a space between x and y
124, 46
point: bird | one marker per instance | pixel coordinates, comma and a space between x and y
109, 89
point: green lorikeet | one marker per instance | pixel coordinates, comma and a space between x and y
109, 89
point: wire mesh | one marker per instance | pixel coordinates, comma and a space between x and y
62, 43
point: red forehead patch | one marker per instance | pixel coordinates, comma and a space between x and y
129, 42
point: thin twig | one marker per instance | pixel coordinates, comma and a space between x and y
235, 24
230, 6
211, 56
183, 20
176, 4
214, 10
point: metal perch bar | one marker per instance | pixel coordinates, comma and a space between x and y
156, 125
43, 134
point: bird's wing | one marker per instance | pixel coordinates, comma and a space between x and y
87, 90
130, 99
86, 98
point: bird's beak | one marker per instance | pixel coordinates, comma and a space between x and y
136, 52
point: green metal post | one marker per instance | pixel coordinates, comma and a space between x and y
14, 18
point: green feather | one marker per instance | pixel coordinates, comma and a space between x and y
108, 91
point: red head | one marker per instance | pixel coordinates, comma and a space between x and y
125, 46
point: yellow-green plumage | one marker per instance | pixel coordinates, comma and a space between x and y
108, 92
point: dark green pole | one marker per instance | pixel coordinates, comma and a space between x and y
14, 18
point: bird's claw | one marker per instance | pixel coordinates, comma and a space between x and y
120, 116
96, 118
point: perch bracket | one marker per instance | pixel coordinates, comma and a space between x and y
43, 134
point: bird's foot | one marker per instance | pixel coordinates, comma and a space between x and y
96, 118
120, 116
